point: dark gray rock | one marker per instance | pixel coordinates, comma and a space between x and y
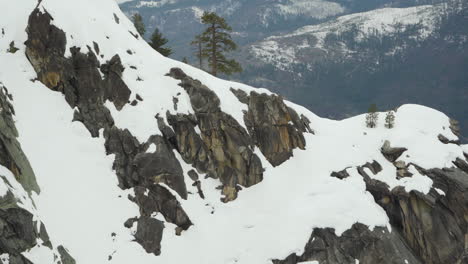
224, 149
445, 140
117, 91
390, 153
187, 142
455, 127
461, 164
275, 128
161, 166
65, 257
357, 243
44, 236
18, 259
11, 154
340, 174
149, 234
157, 199
125, 147
193, 175
17, 231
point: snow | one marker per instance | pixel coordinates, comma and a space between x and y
279, 51
465, 148
9, 184
3, 188
439, 191
81, 204
152, 148
312, 8
5, 258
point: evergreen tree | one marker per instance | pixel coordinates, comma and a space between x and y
372, 116
216, 41
198, 45
185, 60
390, 119
158, 41
139, 25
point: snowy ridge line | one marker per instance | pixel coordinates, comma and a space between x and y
278, 51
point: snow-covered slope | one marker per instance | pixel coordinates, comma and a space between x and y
80, 200
286, 50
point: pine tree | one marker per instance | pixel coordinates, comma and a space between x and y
158, 41
217, 41
198, 45
139, 25
390, 119
372, 116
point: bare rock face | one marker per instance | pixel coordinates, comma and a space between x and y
357, 243
79, 79
426, 228
157, 199
11, 154
275, 128
224, 149
149, 234
160, 167
19, 231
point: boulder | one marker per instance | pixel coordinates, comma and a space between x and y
390, 153
149, 234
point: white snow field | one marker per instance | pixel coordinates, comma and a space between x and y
81, 204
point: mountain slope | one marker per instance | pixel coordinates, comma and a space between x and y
140, 158
278, 51
180, 21
388, 56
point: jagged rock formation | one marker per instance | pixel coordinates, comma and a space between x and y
275, 128
11, 155
19, 230
79, 79
426, 228
224, 149
358, 243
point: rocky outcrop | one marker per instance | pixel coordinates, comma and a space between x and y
11, 154
149, 234
455, 127
224, 149
79, 78
357, 243
157, 199
160, 166
427, 228
19, 230
274, 127
445, 140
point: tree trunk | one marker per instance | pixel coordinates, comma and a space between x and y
200, 54
214, 60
